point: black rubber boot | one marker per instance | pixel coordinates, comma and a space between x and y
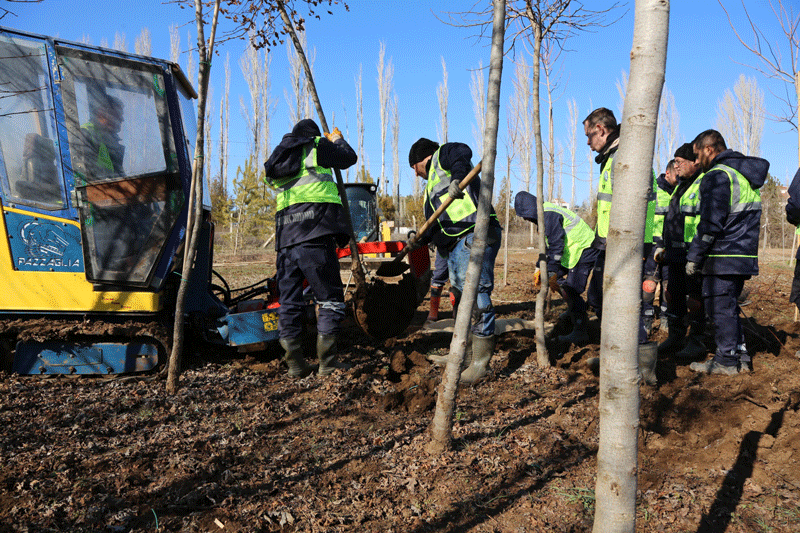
580, 334
482, 350
294, 357
677, 332
695, 347
326, 353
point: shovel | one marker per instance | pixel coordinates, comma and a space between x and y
396, 266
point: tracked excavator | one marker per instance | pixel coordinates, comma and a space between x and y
96, 149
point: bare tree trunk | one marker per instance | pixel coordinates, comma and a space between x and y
195, 210
442, 424
542, 357
443, 94
385, 72
615, 490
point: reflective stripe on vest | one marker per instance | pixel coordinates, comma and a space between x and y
438, 182
690, 209
579, 235
743, 199
313, 184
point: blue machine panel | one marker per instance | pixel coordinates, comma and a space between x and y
252, 327
69, 358
43, 245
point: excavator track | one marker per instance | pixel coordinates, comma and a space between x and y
73, 338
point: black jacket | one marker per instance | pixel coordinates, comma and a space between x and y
306, 221
793, 204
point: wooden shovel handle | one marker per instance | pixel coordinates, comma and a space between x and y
436, 214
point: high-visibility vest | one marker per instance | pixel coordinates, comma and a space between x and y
744, 198
690, 209
103, 157
460, 211
605, 194
312, 184
661, 210
579, 235
604, 197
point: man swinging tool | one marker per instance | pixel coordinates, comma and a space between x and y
308, 226
443, 167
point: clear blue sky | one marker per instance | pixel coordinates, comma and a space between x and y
704, 60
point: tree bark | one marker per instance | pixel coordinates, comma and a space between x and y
542, 357
442, 424
615, 490
195, 206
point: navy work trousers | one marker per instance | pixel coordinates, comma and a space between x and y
721, 297
315, 261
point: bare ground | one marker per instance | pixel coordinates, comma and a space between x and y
243, 448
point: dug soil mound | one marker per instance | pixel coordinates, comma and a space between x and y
243, 448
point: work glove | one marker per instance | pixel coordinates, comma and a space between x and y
658, 255
334, 135
537, 279
454, 192
692, 269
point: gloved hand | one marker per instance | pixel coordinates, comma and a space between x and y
334, 135
649, 289
537, 279
454, 192
692, 269
658, 255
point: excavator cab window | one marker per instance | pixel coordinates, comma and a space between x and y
125, 163
30, 168
363, 210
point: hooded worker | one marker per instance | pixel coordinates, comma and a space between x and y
570, 258
725, 246
443, 167
308, 226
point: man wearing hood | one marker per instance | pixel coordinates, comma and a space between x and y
309, 224
725, 247
443, 167
570, 257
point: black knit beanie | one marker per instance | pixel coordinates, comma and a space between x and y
685, 151
420, 150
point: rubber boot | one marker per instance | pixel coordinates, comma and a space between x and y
326, 353
580, 334
695, 347
482, 349
436, 298
441, 360
648, 356
294, 357
677, 332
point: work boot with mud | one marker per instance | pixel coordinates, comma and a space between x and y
713, 367
580, 332
695, 347
294, 357
482, 350
326, 353
648, 356
677, 332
